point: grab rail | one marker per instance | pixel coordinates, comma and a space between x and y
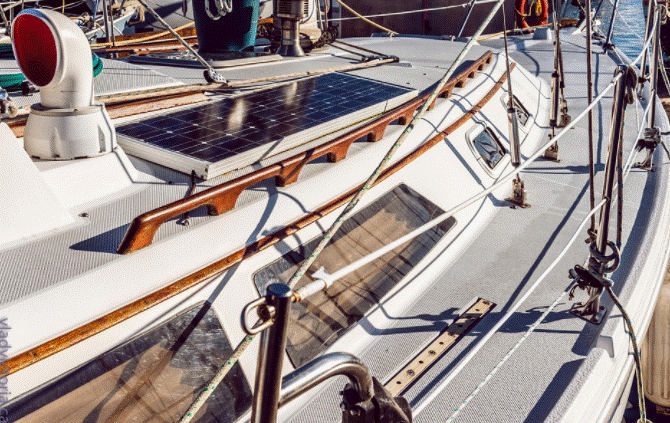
222, 198
271, 392
323, 368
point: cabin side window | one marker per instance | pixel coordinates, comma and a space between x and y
522, 114
320, 320
486, 146
152, 378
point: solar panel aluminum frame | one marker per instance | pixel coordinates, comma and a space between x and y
207, 170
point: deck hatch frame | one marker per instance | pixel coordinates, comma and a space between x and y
320, 320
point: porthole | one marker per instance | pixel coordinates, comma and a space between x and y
486, 146
522, 114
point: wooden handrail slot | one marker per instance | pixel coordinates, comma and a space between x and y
222, 198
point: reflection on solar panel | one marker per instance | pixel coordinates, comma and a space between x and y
231, 133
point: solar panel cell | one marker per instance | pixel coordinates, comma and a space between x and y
268, 121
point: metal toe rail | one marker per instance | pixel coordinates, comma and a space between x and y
222, 198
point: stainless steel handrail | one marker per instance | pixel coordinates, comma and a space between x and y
323, 368
271, 391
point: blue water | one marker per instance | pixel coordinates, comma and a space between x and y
629, 22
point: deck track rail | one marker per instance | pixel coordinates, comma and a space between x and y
134, 308
222, 198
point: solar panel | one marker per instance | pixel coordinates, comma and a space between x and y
234, 132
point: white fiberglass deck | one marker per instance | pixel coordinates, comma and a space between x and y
493, 252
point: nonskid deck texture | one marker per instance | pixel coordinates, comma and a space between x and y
499, 265
541, 378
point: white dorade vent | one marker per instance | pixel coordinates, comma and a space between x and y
54, 54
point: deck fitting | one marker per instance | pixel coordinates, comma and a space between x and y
444, 341
518, 198
551, 153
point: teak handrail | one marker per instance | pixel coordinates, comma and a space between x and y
222, 198
117, 316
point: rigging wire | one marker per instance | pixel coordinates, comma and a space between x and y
532, 327
647, 34
239, 350
348, 210
210, 71
412, 11
147, 38
628, 167
358, 15
632, 30
242, 346
459, 367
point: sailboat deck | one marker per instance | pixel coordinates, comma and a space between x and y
544, 374
498, 260
92, 242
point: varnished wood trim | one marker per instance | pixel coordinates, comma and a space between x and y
120, 110
90, 329
222, 198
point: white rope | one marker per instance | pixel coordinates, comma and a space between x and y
621, 17
645, 46
544, 315
200, 401
627, 168
348, 209
364, 19
513, 310
642, 50
408, 12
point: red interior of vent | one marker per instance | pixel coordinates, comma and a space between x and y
35, 49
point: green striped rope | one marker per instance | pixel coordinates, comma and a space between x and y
348, 209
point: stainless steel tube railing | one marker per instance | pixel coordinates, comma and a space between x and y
323, 368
